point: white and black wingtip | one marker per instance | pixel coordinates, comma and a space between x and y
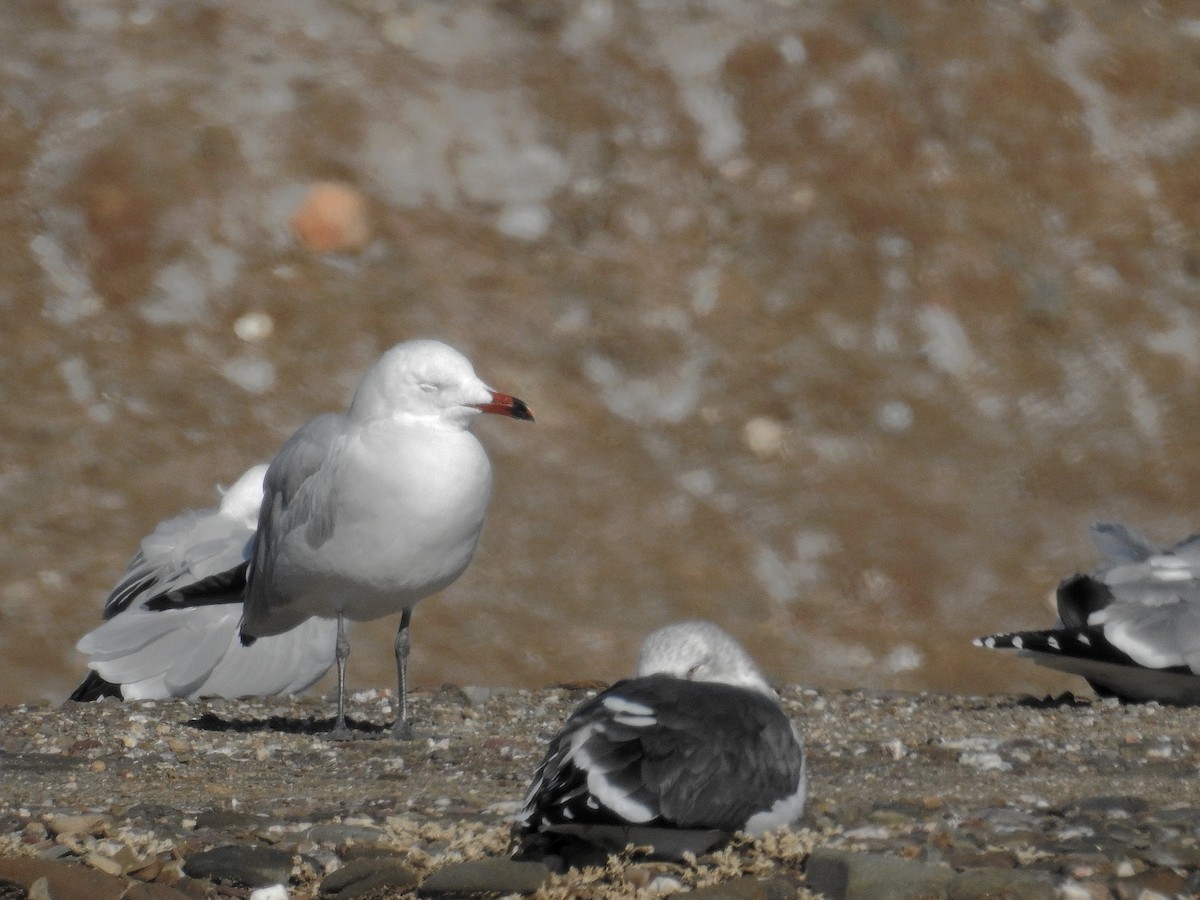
659, 753
1100, 655
1132, 627
1087, 642
1108, 670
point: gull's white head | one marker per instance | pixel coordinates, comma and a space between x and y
700, 651
424, 379
242, 499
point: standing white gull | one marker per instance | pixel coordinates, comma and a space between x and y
367, 512
695, 747
1132, 628
141, 652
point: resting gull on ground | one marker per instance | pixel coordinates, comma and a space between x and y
1132, 628
144, 653
693, 748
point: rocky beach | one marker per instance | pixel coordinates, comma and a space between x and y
842, 320
913, 795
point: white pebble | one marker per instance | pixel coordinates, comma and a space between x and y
895, 416
524, 222
254, 327
984, 762
763, 436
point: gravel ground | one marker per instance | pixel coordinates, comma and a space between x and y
1060, 797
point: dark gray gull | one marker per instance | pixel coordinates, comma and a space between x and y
692, 749
1132, 627
141, 652
367, 512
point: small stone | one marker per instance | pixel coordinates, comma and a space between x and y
77, 825
1001, 884
841, 875
333, 218
526, 222
393, 880
359, 869
104, 863
63, 879
254, 327
1084, 890
340, 833
478, 695
231, 822
1161, 882
497, 875
747, 888
163, 892
763, 437
641, 875
246, 865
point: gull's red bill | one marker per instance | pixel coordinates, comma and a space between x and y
506, 405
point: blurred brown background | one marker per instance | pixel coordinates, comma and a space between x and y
841, 319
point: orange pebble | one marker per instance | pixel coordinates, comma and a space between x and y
332, 219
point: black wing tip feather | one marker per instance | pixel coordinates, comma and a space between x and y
1080, 643
125, 593
215, 590
1078, 596
94, 688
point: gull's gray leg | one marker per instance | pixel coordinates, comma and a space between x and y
401, 730
341, 651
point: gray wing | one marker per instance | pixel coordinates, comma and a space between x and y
181, 552
1160, 635
1139, 572
1119, 544
1188, 550
297, 493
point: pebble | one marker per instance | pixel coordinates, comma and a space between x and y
333, 218
485, 876
247, 865
339, 834
359, 869
745, 889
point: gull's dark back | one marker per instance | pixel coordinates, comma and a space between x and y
694, 769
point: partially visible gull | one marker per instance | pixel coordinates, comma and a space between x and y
692, 749
1131, 628
144, 653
